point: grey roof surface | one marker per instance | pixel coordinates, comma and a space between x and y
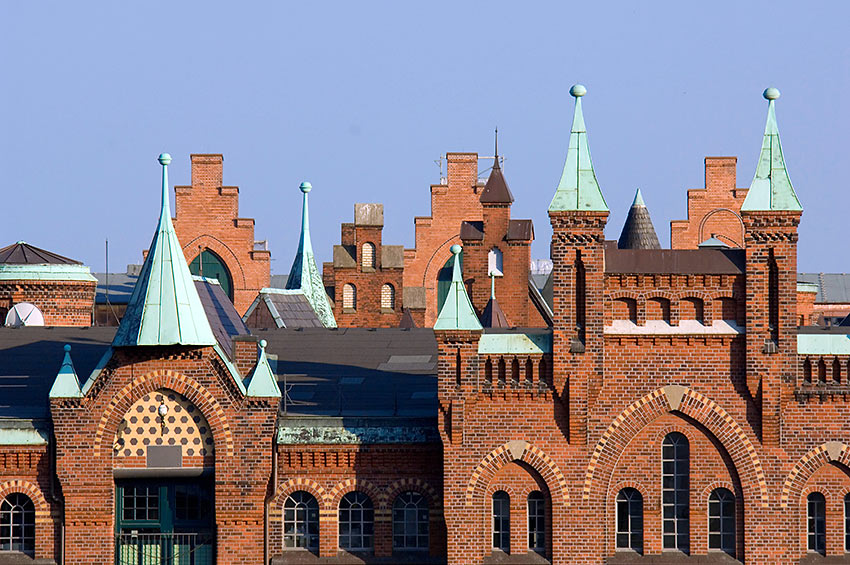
30, 357
833, 288
677, 261
295, 311
471, 230
120, 287
279, 281
355, 372
22, 253
224, 320
638, 231
520, 229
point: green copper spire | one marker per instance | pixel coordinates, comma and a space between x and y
578, 189
66, 385
262, 381
164, 308
457, 312
304, 274
771, 187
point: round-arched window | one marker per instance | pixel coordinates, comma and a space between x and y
211, 266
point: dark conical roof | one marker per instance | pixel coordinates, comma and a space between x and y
407, 320
22, 253
493, 316
496, 190
638, 231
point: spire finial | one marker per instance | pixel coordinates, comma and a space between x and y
496, 149
771, 93
306, 187
578, 90
164, 160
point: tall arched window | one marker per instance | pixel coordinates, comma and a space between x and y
816, 518
367, 255
502, 521
721, 521
17, 524
349, 296
212, 266
675, 492
630, 520
537, 522
410, 522
301, 521
356, 522
388, 297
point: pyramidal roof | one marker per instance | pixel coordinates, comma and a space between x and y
164, 308
578, 189
457, 312
262, 381
22, 253
66, 384
496, 189
493, 316
304, 274
638, 231
771, 187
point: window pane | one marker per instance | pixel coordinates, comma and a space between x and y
629, 506
675, 492
301, 521
501, 521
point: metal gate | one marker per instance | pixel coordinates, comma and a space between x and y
135, 548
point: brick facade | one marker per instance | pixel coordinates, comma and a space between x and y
207, 217
62, 303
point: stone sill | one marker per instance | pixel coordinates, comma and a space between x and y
831, 391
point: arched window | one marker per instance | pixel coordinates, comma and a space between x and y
816, 518
388, 297
502, 521
356, 522
301, 521
625, 309
692, 308
494, 262
410, 522
211, 266
17, 524
721, 521
367, 256
675, 492
537, 522
630, 520
349, 296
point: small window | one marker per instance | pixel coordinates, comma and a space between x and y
356, 522
502, 521
537, 522
367, 256
410, 522
658, 309
17, 524
630, 520
816, 518
625, 309
675, 492
721, 521
301, 521
494, 262
349, 296
388, 297
692, 309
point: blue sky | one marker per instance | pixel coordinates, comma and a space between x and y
361, 98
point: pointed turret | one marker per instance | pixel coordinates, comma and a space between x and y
457, 312
771, 187
496, 189
66, 385
578, 190
304, 274
493, 316
638, 231
262, 381
164, 308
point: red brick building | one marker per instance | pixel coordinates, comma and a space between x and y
675, 413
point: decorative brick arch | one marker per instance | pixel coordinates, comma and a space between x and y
223, 251
724, 293
692, 404
150, 382
517, 450
438, 258
815, 458
633, 294
418, 485
295, 485
332, 498
706, 492
42, 510
718, 211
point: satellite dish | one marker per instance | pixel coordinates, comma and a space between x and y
24, 314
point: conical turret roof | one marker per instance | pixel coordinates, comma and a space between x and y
771, 187
457, 312
496, 189
304, 274
164, 308
638, 231
493, 316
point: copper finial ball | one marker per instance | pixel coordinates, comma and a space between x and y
771, 93
164, 159
306, 187
578, 90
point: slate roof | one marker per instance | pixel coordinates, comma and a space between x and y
224, 320
288, 308
520, 229
496, 189
678, 261
120, 287
472, 230
22, 253
638, 231
833, 288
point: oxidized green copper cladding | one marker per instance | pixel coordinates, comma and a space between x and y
771, 187
304, 274
262, 381
164, 308
638, 201
578, 189
66, 385
457, 312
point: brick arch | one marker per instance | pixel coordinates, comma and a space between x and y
667, 294
294, 485
814, 459
718, 211
692, 404
42, 510
706, 492
333, 497
221, 249
150, 382
438, 258
684, 430
418, 485
723, 293
517, 450
496, 487
624, 294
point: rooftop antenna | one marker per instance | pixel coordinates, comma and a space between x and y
106, 286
